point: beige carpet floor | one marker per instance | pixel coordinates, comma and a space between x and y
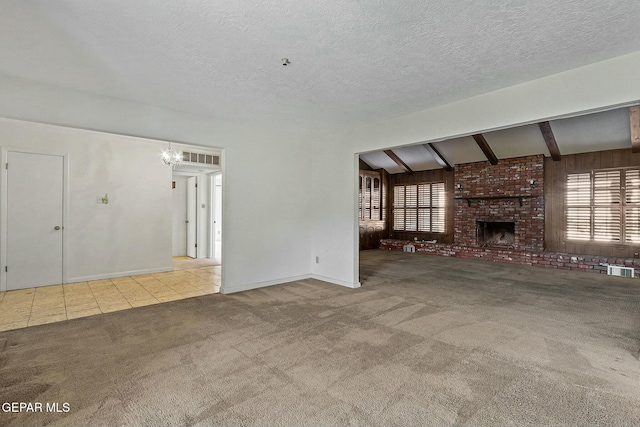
425, 341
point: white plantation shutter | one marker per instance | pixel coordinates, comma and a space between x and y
424, 205
375, 199
632, 206
606, 206
437, 207
578, 192
360, 215
370, 196
419, 207
398, 207
603, 206
367, 198
411, 208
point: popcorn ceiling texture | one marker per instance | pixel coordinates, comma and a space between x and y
351, 61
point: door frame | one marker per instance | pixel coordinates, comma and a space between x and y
195, 205
212, 215
198, 201
4, 210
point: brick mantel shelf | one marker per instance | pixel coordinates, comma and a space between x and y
469, 199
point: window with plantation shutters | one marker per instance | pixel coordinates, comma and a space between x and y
419, 207
603, 206
370, 196
632, 206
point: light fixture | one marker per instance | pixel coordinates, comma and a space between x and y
459, 187
285, 61
533, 183
171, 157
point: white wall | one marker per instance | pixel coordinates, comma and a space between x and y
591, 88
124, 236
179, 228
266, 200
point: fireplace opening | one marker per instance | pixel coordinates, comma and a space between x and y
495, 234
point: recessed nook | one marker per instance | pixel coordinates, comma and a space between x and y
495, 234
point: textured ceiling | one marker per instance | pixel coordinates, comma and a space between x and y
352, 61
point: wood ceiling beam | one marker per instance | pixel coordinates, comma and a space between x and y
634, 118
364, 165
550, 140
398, 161
486, 149
438, 156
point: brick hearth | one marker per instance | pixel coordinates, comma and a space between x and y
546, 259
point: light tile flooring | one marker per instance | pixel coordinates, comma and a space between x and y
37, 306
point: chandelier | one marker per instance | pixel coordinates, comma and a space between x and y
171, 157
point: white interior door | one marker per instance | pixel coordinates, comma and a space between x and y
34, 219
217, 217
192, 219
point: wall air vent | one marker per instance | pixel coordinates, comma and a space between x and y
616, 270
200, 158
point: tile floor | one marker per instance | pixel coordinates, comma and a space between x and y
37, 306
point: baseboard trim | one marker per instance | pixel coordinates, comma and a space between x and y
229, 290
118, 274
336, 281
249, 286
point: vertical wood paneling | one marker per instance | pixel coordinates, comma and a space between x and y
555, 175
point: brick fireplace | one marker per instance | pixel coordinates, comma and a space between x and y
500, 205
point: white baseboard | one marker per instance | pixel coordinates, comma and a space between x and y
118, 274
336, 281
249, 286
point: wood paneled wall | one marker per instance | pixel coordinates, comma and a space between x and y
554, 183
416, 177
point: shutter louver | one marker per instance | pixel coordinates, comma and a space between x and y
424, 204
411, 208
578, 223
438, 206
578, 216
367, 199
360, 199
606, 206
632, 208
375, 200
398, 207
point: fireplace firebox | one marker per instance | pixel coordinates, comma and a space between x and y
495, 234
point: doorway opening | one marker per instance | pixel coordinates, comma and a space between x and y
197, 215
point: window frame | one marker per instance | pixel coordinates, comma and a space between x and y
418, 209
370, 200
623, 203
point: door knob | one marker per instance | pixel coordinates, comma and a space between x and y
57, 227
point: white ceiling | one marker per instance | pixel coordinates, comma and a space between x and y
351, 62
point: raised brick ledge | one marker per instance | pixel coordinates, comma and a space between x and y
589, 263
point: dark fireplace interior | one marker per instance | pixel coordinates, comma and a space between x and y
495, 234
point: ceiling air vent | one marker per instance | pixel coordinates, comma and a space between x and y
616, 270
200, 158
